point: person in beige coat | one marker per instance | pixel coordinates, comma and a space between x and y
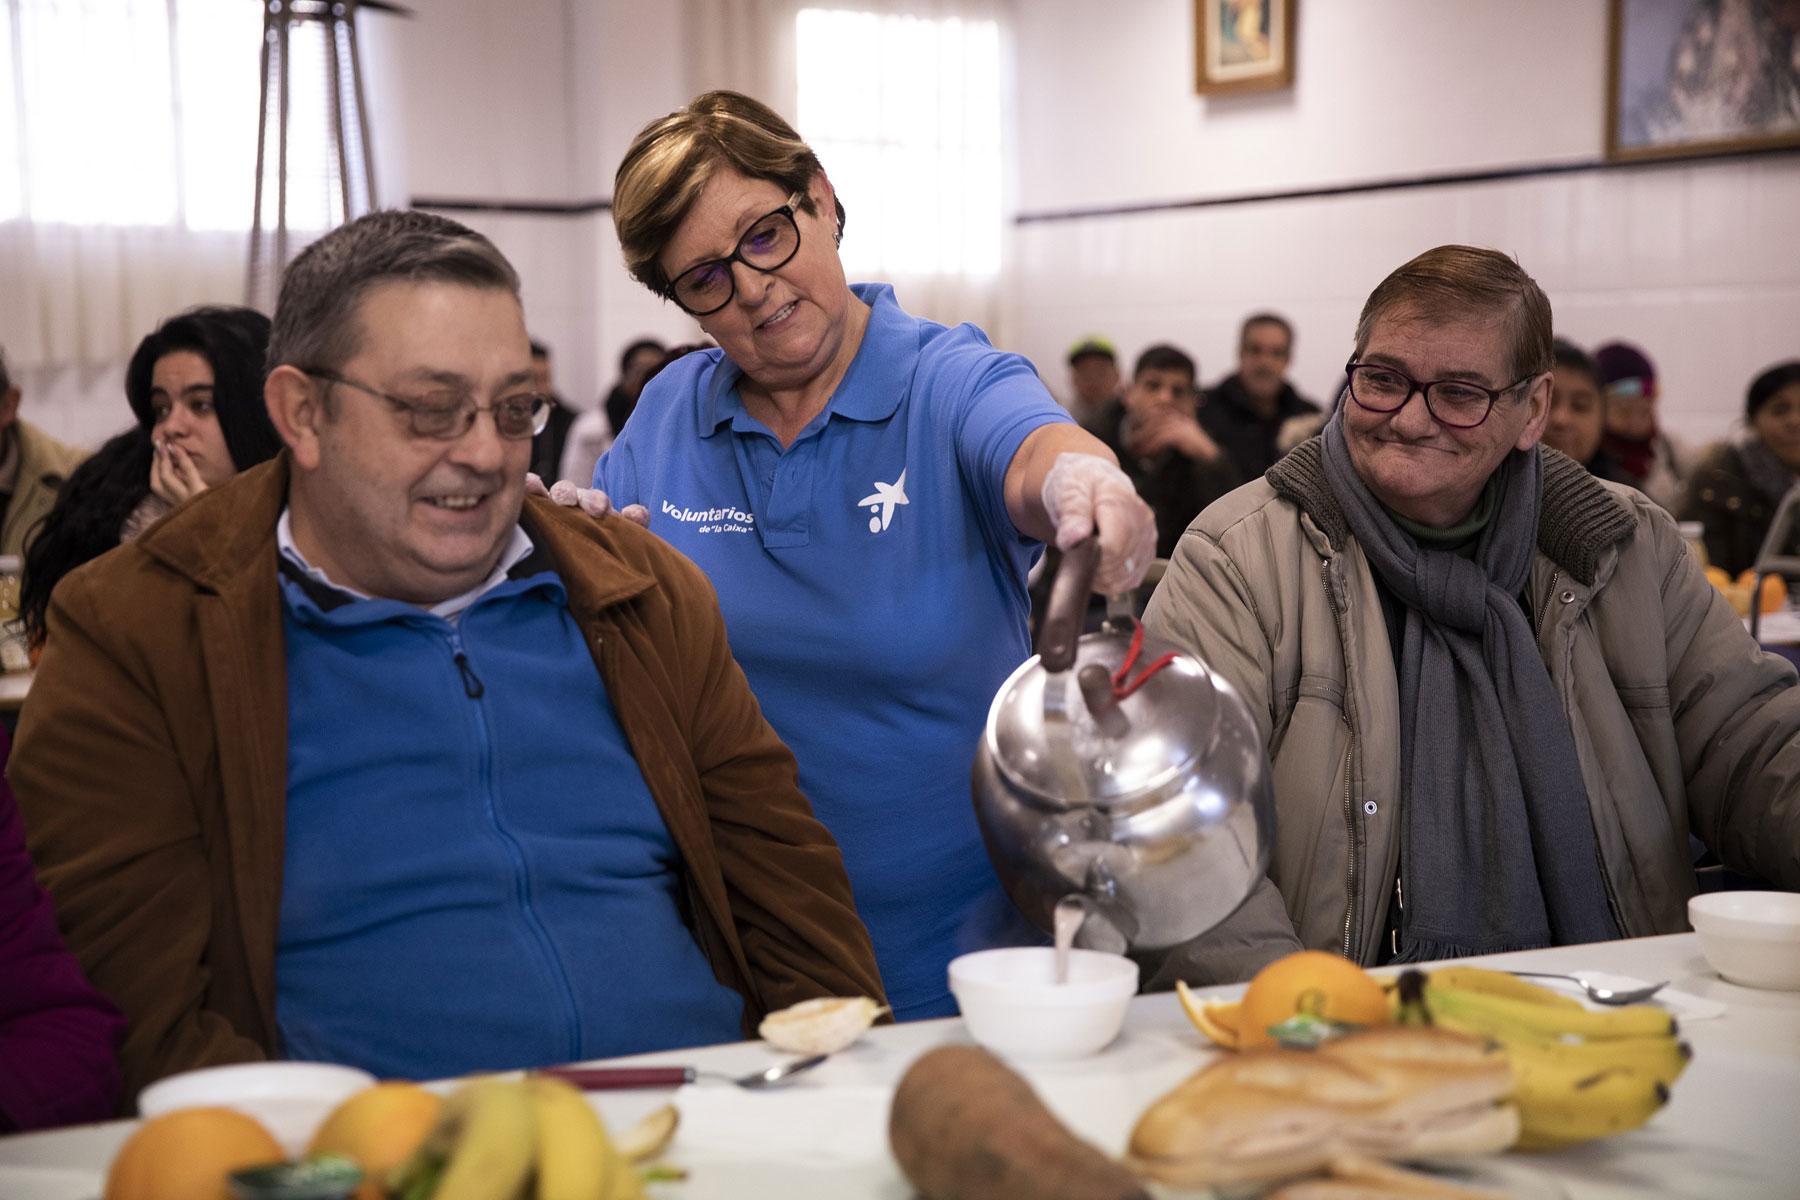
33, 468
1498, 694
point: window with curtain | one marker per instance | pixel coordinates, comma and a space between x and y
127, 171
905, 113
129, 112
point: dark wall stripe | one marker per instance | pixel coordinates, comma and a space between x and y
1381, 185
528, 208
584, 208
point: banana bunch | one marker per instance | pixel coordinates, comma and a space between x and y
1581, 1074
516, 1139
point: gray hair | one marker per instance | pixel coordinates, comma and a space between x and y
317, 315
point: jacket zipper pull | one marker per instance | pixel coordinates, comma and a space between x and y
472, 686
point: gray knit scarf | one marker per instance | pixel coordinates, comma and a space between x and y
1497, 847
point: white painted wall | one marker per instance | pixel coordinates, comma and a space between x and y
536, 101
1699, 262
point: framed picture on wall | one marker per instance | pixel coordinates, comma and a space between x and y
1243, 45
1690, 77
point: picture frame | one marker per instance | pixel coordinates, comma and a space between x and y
1687, 78
1243, 46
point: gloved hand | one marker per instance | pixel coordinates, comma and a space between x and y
1084, 494
592, 501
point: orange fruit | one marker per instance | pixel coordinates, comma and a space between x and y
1322, 985
379, 1127
1774, 591
1217, 1019
189, 1153
1718, 578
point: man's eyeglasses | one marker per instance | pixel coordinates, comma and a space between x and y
768, 245
1457, 403
447, 414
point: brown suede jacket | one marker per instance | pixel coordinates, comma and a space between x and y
151, 767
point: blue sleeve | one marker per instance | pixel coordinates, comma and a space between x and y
1003, 402
616, 475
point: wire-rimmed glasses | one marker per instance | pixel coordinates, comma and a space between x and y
1458, 403
448, 413
768, 245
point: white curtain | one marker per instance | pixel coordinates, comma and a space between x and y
124, 180
127, 177
904, 101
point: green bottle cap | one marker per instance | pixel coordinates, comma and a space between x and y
321, 1177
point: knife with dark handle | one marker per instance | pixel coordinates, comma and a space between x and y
598, 1079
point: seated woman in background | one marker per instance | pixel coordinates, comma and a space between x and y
1577, 423
195, 385
1734, 492
59, 1038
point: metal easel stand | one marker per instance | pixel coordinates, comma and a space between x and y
1772, 559
351, 159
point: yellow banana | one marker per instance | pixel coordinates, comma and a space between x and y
1567, 1107
1580, 1074
575, 1158
482, 1147
1661, 1058
1498, 1015
1499, 983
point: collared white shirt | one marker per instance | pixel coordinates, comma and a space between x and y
517, 550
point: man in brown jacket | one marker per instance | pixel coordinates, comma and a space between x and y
362, 757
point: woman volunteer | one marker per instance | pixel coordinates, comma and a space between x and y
866, 491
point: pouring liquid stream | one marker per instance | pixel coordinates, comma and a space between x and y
1070, 912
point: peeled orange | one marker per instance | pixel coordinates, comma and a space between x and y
379, 1127
189, 1153
1217, 1019
1313, 982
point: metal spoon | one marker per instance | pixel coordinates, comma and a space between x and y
595, 1079
1601, 995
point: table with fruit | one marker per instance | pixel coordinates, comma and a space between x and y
1534, 1093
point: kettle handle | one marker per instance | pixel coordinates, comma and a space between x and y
1069, 594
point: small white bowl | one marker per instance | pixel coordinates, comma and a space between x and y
1012, 1005
1750, 938
291, 1099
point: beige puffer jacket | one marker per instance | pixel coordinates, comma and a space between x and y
1681, 723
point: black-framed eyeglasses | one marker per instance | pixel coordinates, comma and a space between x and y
448, 413
768, 245
1457, 403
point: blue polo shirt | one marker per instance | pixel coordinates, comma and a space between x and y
874, 589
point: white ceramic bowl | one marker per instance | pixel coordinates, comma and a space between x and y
291, 1099
1751, 938
1012, 1006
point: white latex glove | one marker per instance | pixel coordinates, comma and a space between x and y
592, 501
1085, 494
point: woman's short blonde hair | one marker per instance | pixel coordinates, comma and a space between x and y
672, 158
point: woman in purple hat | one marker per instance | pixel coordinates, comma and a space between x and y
1651, 461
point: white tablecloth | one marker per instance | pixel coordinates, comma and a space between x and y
1731, 1130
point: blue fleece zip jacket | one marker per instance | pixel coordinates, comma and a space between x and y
476, 874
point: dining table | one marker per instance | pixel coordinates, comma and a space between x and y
1731, 1128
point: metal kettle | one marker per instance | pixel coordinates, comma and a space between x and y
1126, 774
